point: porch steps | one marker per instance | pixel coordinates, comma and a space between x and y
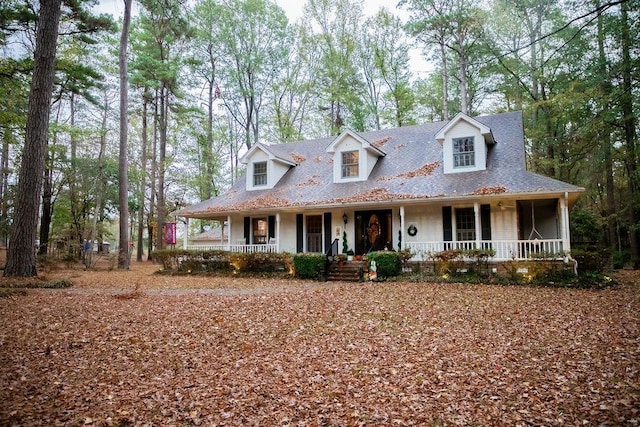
349, 271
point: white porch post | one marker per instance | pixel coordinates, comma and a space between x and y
476, 211
278, 232
402, 242
564, 223
228, 232
185, 238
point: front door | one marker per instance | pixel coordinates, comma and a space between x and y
314, 233
373, 231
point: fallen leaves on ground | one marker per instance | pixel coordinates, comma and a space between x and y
133, 348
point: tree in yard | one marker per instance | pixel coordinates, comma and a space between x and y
253, 36
330, 37
21, 261
456, 28
123, 180
384, 62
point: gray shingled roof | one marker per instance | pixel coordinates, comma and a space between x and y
411, 170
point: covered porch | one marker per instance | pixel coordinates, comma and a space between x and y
514, 229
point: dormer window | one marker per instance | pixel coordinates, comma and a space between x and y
463, 152
350, 164
259, 174
465, 144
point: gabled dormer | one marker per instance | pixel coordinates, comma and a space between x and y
264, 168
465, 143
353, 157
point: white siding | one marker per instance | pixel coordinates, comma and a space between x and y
460, 130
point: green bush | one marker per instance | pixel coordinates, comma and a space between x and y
194, 261
620, 258
388, 263
261, 262
308, 265
590, 260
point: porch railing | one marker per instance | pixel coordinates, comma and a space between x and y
505, 250
243, 248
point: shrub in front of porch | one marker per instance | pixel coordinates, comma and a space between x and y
388, 263
308, 265
215, 261
262, 262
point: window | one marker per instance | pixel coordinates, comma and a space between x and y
259, 174
465, 224
350, 164
463, 153
260, 226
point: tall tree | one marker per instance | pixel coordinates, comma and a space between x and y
386, 55
21, 261
123, 179
458, 27
253, 36
629, 123
331, 38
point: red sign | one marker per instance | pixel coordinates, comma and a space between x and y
170, 233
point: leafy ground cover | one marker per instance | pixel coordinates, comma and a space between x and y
136, 348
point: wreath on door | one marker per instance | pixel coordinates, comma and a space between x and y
412, 230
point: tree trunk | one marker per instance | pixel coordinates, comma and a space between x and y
605, 135
143, 178
21, 259
100, 184
629, 123
164, 109
445, 82
123, 188
152, 224
47, 194
73, 176
4, 185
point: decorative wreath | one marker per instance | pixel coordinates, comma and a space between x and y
412, 230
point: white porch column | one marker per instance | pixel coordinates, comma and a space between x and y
476, 211
402, 242
185, 238
564, 223
278, 232
228, 232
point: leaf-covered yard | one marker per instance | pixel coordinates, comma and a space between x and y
133, 348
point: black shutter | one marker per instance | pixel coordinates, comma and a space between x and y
299, 233
272, 226
485, 221
247, 229
447, 225
327, 231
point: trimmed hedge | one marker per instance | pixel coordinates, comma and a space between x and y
388, 263
308, 265
196, 261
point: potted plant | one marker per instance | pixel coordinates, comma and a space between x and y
350, 255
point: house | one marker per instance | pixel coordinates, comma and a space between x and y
461, 184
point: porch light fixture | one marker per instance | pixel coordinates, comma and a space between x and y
344, 218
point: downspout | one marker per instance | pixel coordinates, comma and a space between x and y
278, 232
566, 232
478, 224
185, 238
228, 232
402, 238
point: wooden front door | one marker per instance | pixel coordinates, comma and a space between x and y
373, 231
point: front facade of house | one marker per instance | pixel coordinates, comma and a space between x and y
445, 185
